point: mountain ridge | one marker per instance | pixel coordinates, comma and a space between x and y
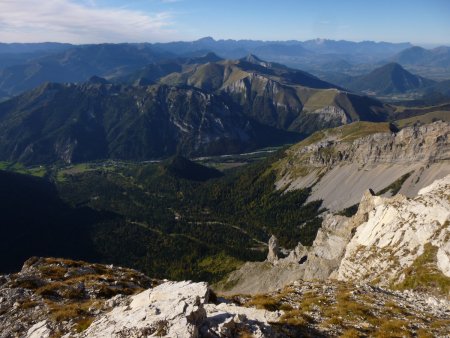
28, 65
218, 107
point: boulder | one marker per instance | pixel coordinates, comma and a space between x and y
172, 309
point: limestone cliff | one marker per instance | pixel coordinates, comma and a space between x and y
341, 163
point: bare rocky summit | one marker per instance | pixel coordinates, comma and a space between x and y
343, 309
63, 298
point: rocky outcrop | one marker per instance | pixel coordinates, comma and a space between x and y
340, 164
317, 262
397, 232
330, 114
387, 242
426, 143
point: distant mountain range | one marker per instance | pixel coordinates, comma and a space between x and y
20, 53
77, 64
219, 107
23, 48
25, 66
292, 53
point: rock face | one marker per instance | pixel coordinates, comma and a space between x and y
397, 232
343, 163
389, 242
425, 143
279, 96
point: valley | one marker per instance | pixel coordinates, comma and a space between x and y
184, 208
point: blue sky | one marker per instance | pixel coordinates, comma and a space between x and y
424, 22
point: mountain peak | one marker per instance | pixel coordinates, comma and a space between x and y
97, 80
206, 39
389, 78
416, 48
253, 59
392, 67
211, 57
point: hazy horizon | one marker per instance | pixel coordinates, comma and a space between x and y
423, 45
423, 23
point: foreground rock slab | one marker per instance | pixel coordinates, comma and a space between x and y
172, 309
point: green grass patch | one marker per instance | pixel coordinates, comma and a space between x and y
4, 165
423, 274
430, 117
354, 131
219, 265
75, 169
38, 171
320, 99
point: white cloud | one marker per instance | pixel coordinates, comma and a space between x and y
67, 21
